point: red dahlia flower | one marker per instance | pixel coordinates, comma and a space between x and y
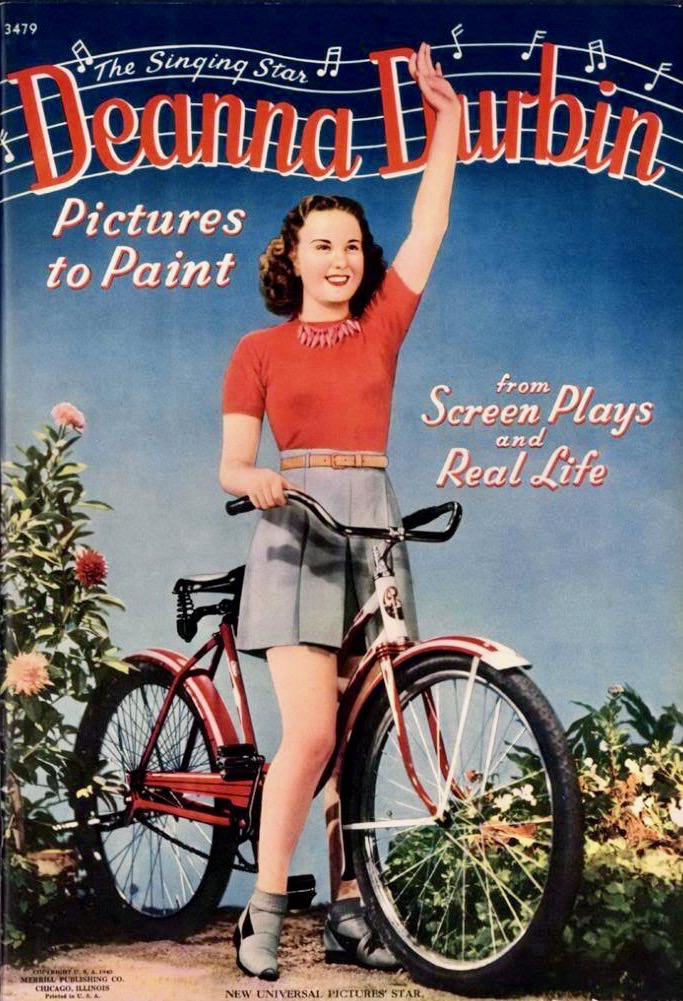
91, 567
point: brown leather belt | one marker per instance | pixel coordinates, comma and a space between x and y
348, 460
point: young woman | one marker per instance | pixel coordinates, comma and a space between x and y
324, 379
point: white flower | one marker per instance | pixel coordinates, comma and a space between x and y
527, 793
648, 775
504, 802
676, 812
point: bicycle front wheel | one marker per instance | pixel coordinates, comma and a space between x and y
161, 875
471, 899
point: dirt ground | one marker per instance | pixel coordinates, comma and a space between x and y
203, 969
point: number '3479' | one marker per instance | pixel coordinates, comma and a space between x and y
21, 28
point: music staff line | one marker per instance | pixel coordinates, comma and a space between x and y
357, 147
336, 92
583, 50
486, 74
358, 120
659, 71
315, 62
360, 177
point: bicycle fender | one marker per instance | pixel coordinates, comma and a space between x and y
201, 690
496, 655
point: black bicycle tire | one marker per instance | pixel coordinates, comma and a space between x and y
219, 858
522, 959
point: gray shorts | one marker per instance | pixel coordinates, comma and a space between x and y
302, 583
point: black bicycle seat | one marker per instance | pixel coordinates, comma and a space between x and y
211, 583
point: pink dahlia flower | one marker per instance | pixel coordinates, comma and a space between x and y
66, 414
91, 567
27, 673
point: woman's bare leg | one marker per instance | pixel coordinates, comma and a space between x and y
305, 682
347, 936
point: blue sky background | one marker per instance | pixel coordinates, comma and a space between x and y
549, 274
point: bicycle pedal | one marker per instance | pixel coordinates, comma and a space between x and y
240, 761
300, 892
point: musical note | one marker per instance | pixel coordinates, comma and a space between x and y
457, 51
83, 55
598, 47
331, 61
538, 37
663, 68
7, 154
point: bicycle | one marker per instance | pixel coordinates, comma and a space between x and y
460, 804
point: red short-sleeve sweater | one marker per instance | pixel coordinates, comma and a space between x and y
336, 397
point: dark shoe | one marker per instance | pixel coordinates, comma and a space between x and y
349, 939
257, 935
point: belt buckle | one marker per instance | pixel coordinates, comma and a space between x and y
342, 461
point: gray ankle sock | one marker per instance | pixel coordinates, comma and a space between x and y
274, 903
259, 927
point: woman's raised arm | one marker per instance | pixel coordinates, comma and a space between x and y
431, 209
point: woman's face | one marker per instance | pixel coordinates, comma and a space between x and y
329, 260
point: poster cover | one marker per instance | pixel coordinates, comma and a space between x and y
539, 385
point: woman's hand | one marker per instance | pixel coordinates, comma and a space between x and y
433, 85
239, 474
266, 488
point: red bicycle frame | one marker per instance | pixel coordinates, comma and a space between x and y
230, 799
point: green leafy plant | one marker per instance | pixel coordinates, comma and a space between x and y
473, 889
625, 932
56, 640
628, 920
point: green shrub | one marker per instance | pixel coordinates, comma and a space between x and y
56, 639
627, 926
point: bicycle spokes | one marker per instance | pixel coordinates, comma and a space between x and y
157, 862
470, 877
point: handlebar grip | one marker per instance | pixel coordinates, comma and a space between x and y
240, 506
426, 515
440, 535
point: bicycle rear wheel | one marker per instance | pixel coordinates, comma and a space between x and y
469, 903
160, 875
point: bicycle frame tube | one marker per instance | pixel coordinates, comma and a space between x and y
182, 672
237, 682
387, 669
379, 665
198, 683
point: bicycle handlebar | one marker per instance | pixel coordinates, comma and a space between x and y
406, 532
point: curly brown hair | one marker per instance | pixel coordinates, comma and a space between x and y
282, 288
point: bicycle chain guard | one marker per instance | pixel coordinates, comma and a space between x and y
241, 762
